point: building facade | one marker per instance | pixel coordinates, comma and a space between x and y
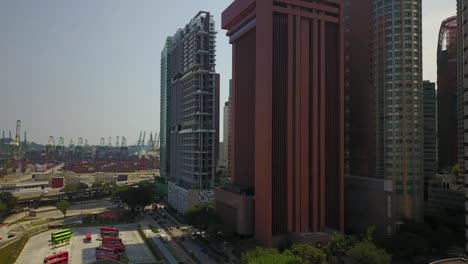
447, 98
384, 75
165, 127
288, 117
462, 80
194, 118
430, 133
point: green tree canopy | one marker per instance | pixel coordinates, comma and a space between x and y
269, 256
204, 216
366, 252
63, 206
136, 198
8, 203
74, 188
456, 169
309, 254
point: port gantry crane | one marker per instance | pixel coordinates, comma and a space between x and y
79, 148
61, 149
139, 139
15, 146
50, 149
123, 146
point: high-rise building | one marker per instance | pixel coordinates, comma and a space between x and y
462, 80
227, 130
165, 116
430, 133
447, 101
194, 118
384, 74
288, 119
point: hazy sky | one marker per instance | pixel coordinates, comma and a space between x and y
90, 68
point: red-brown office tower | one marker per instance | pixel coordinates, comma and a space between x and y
288, 114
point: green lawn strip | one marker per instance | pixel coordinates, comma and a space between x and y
23, 219
154, 229
40, 222
150, 243
10, 253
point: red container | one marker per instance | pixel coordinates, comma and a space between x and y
58, 182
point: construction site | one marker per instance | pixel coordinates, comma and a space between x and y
18, 157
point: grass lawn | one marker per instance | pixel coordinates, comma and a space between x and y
10, 253
24, 219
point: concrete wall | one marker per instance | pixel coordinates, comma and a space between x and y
183, 199
369, 202
236, 210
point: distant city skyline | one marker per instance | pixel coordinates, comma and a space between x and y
90, 69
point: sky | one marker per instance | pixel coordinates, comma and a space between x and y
91, 68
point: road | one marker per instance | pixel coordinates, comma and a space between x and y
183, 238
176, 249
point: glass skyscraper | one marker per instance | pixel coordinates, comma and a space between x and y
165, 107
397, 79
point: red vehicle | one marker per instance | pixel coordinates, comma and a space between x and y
111, 239
104, 255
117, 246
87, 238
103, 249
109, 231
59, 258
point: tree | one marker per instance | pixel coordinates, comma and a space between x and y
366, 252
74, 188
8, 203
337, 247
204, 217
269, 256
201, 215
63, 205
455, 169
309, 254
136, 198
